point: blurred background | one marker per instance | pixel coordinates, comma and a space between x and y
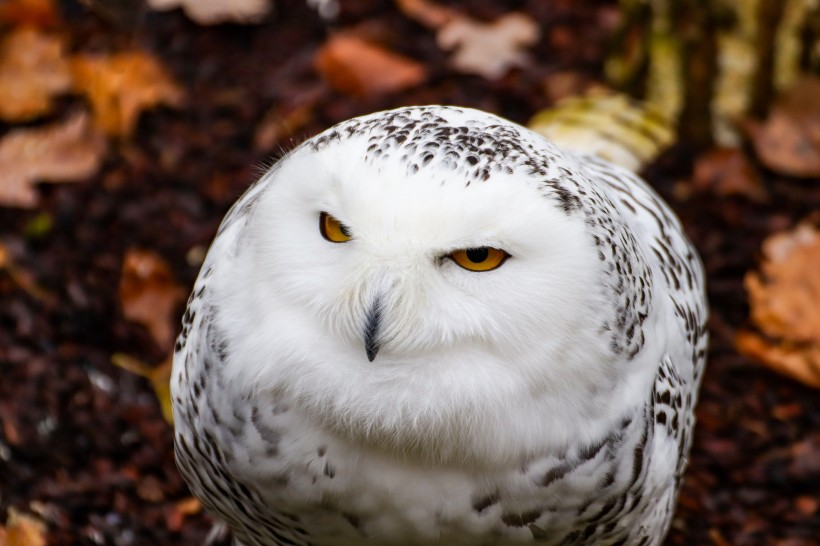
128, 128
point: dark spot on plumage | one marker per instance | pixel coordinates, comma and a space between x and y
352, 519
329, 471
522, 519
266, 432
590, 451
555, 474
485, 502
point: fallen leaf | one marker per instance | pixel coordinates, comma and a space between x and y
789, 140
149, 295
783, 305
488, 49
159, 376
33, 70
211, 12
38, 13
727, 171
357, 67
24, 530
64, 152
121, 86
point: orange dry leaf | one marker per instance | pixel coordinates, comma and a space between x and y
32, 71
23, 530
783, 299
63, 152
789, 140
357, 67
121, 86
40, 13
149, 295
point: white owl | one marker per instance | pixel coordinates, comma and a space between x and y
431, 326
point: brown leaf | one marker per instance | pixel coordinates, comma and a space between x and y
789, 140
211, 12
149, 295
357, 67
488, 49
121, 86
39, 13
783, 300
64, 152
726, 171
32, 71
24, 530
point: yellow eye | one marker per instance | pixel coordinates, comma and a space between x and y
484, 258
332, 229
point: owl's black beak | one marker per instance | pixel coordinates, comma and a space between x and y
371, 329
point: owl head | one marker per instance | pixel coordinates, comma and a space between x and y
426, 281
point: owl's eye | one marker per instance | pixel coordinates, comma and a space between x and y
332, 229
484, 258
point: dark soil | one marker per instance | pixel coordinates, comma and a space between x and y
83, 443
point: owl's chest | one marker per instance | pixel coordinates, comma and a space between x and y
278, 479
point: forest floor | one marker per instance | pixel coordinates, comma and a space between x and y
83, 444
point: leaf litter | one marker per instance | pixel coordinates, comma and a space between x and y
783, 299
33, 70
67, 151
121, 86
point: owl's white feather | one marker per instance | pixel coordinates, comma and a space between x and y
548, 400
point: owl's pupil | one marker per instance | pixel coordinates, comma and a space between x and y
477, 255
344, 229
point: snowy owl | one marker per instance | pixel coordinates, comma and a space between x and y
431, 326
